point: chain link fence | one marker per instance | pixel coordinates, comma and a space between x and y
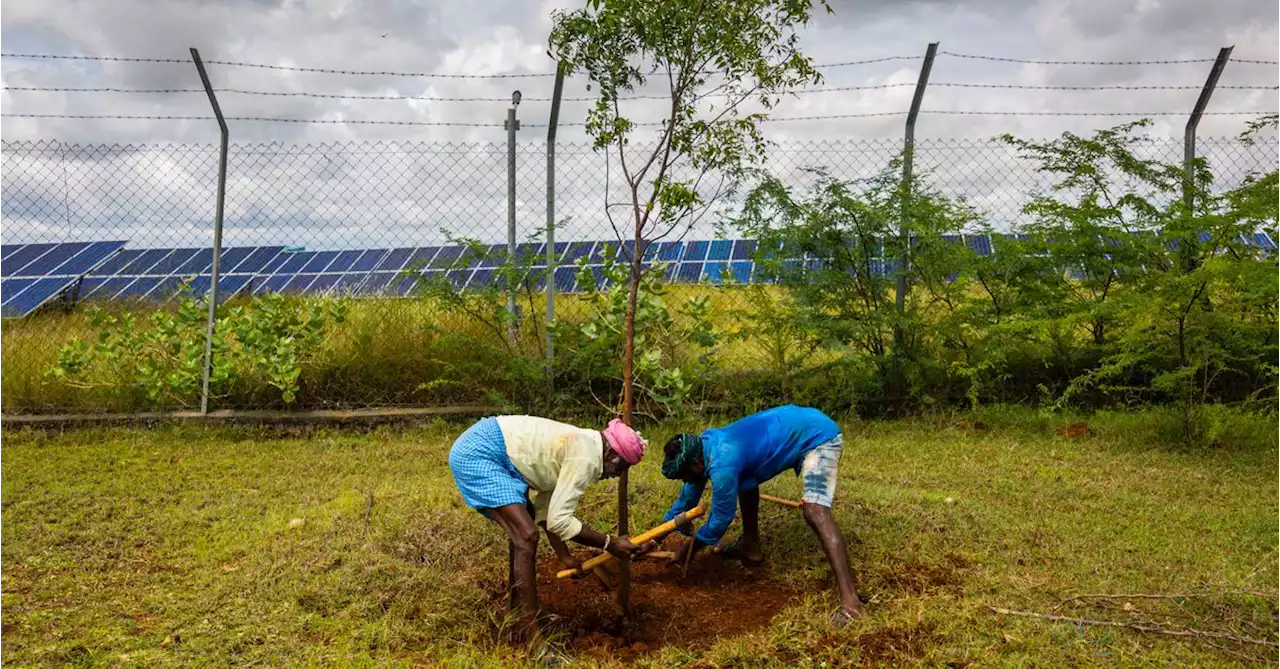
365, 214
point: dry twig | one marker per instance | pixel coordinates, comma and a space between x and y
1184, 632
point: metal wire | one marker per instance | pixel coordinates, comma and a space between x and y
1173, 61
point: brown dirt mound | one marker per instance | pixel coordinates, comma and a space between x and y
718, 599
1078, 430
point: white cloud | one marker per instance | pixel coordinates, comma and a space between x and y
403, 193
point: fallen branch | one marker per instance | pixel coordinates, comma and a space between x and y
1134, 595
1185, 632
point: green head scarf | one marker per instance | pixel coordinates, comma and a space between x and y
690, 450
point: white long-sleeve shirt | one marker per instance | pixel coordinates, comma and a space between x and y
558, 461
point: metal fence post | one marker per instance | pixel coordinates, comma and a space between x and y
512, 125
217, 230
904, 235
1188, 244
551, 224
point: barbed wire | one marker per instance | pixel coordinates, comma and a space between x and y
433, 98
1180, 61
463, 124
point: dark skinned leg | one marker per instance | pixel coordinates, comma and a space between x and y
523, 535
820, 520
749, 505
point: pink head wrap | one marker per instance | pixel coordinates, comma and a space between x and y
626, 442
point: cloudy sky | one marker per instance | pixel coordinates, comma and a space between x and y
501, 37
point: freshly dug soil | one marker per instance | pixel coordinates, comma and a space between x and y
718, 598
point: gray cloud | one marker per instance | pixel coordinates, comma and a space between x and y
342, 194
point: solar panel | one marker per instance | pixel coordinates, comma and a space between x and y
46, 270
1264, 241
981, 244
744, 249
695, 251
689, 272
720, 249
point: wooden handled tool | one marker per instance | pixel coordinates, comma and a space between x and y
655, 533
778, 500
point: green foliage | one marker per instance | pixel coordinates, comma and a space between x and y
717, 59
271, 338
676, 347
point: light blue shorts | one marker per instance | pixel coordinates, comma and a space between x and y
482, 470
818, 471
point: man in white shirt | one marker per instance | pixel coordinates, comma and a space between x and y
525, 471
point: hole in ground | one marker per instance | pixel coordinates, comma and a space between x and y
718, 599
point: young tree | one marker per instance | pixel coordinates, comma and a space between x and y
724, 65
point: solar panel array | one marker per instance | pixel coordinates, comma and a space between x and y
33, 274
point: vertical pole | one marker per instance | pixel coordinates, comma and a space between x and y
1190, 241
904, 236
512, 125
217, 230
551, 224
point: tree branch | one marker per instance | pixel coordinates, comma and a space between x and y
1184, 632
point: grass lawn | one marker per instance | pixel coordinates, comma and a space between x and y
234, 546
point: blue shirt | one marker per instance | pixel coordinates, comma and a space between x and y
743, 454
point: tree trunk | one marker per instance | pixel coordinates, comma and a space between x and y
628, 405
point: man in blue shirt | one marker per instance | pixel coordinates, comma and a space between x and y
740, 456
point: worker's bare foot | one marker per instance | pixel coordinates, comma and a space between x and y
843, 615
748, 553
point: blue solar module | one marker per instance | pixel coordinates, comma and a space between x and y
51, 261
689, 272
323, 283
605, 251
273, 284
720, 249
575, 251
256, 260
296, 262
458, 277
1263, 241
201, 261
344, 261
695, 251
368, 260
22, 257
670, 251
48, 270
319, 262
981, 244
744, 249
91, 257
349, 284
740, 271
394, 260
31, 296
376, 283
7, 249
9, 288
566, 279
448, 257
714, 271
145, 261
97, 288
420, 258
298, 284
140, 288
483, 278
231, 258
172, 262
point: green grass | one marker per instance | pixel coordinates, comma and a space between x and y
173, 546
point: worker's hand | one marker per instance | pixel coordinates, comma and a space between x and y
682, 553
622, 548
571, 562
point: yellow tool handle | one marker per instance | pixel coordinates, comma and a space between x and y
785, 502
656, 533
